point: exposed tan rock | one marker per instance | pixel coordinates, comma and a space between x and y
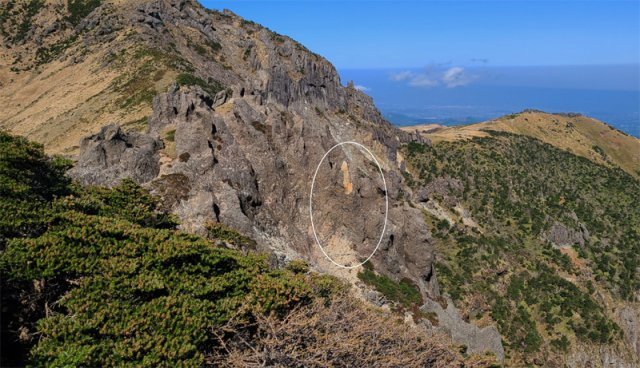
346, 181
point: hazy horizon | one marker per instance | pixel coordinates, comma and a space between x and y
454, 95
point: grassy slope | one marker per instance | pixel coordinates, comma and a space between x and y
578, 134
93, 83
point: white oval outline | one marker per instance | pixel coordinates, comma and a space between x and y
386, 211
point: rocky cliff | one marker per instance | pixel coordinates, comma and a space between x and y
238, 141
241, 122
229, 122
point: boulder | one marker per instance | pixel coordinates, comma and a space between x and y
112, 155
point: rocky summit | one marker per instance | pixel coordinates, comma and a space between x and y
229, 125
238, 143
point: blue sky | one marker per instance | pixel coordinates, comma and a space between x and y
462, 61
411, 34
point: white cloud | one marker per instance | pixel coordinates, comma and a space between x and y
423, 80
362, 88
434, 76
456, 77
402, 76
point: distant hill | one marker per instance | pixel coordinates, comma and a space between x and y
581, 135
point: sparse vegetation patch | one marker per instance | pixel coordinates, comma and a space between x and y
403, 292
211, 87
79, 9
30, 9
522, 191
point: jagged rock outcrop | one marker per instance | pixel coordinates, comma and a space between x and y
249, 166
245, 155
113, 155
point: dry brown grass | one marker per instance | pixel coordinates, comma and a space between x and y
57, 102
344, 334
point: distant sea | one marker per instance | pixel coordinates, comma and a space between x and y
607, 93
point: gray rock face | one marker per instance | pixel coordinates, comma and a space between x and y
112, 155
562, 236
249, 165
476, 339
246, 156
630, 322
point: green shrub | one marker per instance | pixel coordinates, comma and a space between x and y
403, 292
213, 45
104, 279
415, 148
79, 9
26, 173
171, 135
298, 266
220, 231
561, 343
443, 225
145, 296
186, 79
127, 201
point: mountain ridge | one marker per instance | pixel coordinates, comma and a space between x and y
227, 100
581, 135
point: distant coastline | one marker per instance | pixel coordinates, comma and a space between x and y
629, 126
